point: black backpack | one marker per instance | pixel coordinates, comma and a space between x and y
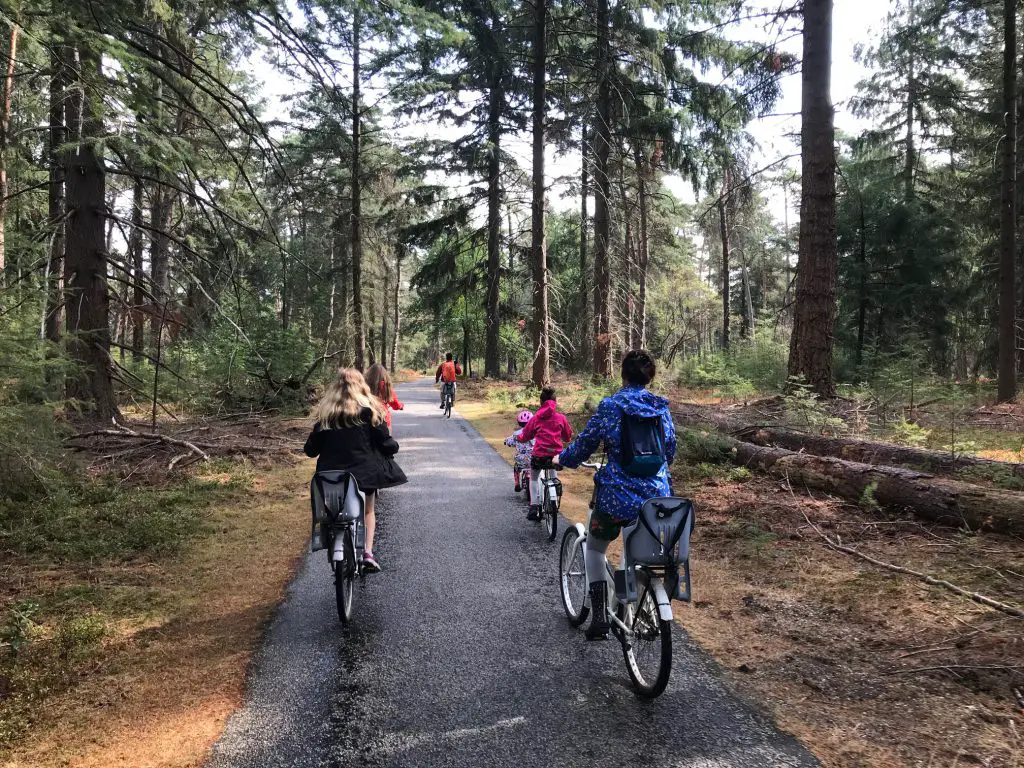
641, 445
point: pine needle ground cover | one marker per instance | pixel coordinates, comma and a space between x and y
130, 606
867, 667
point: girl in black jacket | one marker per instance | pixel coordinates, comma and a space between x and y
350, 434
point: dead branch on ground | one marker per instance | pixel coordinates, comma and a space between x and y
974, 596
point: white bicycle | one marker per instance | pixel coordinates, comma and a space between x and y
551, 499
654, 569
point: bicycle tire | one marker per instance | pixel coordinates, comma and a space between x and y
551, 519
345, 578
570, 558
648, 686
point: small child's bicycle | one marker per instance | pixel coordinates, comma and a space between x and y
551, 500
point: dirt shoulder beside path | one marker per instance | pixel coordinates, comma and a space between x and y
151, 652
868, 668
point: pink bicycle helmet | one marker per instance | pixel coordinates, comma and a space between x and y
523, 417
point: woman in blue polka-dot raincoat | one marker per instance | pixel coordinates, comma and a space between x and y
619, 494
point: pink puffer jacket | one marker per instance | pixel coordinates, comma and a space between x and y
548, 429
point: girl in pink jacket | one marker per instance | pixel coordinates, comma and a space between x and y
550, 431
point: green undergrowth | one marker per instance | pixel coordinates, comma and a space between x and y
84, 553
96, 521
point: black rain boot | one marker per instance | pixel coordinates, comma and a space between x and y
598, 629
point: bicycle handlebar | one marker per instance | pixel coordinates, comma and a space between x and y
591, 465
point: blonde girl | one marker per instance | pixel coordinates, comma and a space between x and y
350, 433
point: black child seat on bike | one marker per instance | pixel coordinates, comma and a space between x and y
335, 498
660, 538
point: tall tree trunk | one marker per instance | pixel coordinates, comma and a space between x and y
161, 211
57, 139
286, 302
397, 323
138, 276
496, 104
628, 253
87, 299
342, 279
814, 317
602, 195
723, 226
538, 243
862, 263
5, 138
910, 161
642, 170
357, 203
585, 292
1007, 384
384, 296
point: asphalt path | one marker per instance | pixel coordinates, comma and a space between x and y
459, 654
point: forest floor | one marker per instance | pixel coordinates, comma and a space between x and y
129, 629
867, 667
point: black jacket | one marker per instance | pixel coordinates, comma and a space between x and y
365, 451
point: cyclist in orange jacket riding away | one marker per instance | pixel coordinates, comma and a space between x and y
448, 372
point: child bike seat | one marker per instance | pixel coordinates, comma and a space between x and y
661, 538
336, 497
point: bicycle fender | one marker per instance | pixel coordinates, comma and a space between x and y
580, 530
661, 598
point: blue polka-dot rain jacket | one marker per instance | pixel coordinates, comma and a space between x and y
619, 494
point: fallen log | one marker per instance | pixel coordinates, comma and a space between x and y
939, 499
852, 448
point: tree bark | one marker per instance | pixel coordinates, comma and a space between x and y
932, 498
602, 195
5, 138
399, 256
628, 254
1007, 379
138, 275
643, 168
723, 228
87, 299
357, 214
57, 137
862, 263
495, 107
585, 292
813, 338
538, 242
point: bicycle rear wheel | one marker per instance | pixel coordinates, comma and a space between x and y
345, 577
649, 655
573, 577
448, 407
550, 518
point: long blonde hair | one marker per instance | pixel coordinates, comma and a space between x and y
344, 400
379, 382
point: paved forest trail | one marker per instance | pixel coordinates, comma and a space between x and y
459, 653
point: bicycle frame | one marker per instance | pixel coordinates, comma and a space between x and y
653, 582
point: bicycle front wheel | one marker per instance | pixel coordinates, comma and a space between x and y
573, 577
345, 578
649, 655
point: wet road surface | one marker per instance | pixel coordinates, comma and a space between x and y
459, 653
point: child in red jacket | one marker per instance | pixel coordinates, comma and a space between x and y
379, 381
550, 431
